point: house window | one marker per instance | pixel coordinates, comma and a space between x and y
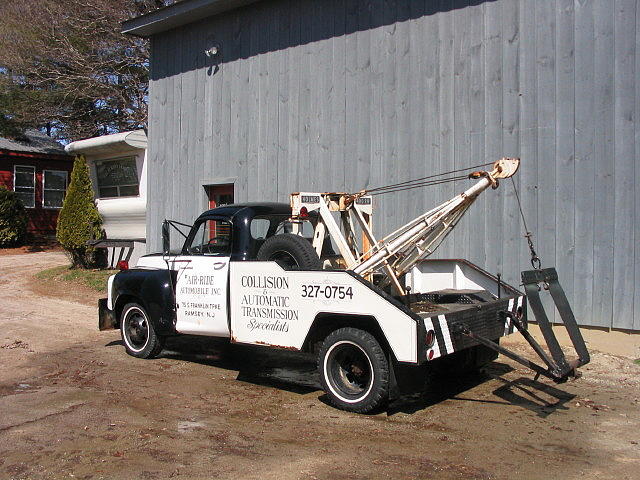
24, 184
117, 178
54, 187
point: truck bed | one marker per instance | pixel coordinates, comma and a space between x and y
457, 293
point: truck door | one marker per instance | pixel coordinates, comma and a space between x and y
202, 280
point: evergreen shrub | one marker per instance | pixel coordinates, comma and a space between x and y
79, 220
13, 219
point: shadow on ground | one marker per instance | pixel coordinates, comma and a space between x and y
297, 373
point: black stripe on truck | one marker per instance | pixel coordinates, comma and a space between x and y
439, 336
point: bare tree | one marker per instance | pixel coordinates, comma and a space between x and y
65, 65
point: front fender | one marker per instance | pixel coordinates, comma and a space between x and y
153, 289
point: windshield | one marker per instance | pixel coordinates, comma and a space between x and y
213, 237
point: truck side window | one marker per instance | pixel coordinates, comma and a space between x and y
266, 226
213, 237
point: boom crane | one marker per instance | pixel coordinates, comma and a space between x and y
398, 252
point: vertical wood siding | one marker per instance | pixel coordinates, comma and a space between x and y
338, 95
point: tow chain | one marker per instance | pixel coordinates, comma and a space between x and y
535, 260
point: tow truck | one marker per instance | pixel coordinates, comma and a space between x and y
311, 276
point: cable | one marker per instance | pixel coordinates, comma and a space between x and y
515, 190
420, 185
410, 182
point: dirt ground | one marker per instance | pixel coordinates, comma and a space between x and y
34, 246
74, 405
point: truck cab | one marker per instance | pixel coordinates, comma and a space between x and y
161, 282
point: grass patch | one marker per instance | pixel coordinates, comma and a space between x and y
637, 361
94, 279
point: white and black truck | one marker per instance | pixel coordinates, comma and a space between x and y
311, 276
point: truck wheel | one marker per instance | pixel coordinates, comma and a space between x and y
290, 251
139, 338
354, 370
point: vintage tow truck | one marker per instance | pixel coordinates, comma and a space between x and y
377, 313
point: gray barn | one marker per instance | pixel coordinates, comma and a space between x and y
276, 96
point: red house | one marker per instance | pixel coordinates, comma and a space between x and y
38, 170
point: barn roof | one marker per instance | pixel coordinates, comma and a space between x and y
33, 141
178, 14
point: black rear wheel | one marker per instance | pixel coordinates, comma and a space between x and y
354, 370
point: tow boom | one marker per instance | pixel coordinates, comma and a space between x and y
399, 251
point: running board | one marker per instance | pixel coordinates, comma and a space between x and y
557, 366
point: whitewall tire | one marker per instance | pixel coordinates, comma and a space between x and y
138, 335
354, 370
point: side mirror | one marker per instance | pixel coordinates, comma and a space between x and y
166, 238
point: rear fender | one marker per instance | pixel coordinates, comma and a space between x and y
325, 323
404, 378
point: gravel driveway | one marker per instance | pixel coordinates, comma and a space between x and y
74, 405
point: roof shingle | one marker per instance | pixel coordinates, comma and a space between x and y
34, 142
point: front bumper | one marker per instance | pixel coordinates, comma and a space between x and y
106, 318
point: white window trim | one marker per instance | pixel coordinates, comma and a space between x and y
44, 186
34, 181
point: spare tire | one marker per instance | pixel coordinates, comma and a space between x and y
290, 251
